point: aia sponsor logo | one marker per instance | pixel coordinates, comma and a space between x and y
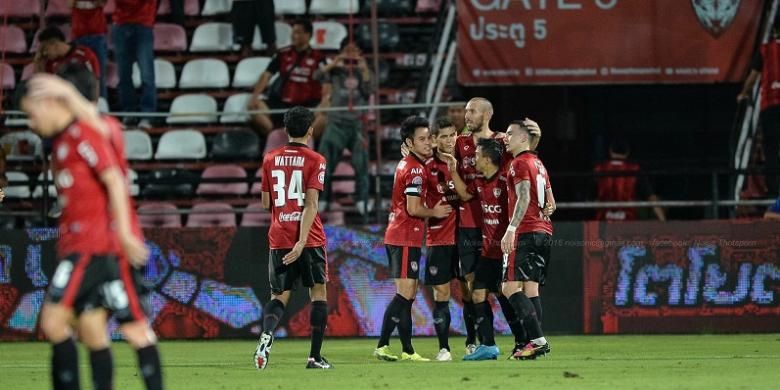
716, 16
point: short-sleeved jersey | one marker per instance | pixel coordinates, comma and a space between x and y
80, 156
117, 142
528, 166
620, 189
76, 55
493, 197
288, 172
141, 12
409, 180
87, 18
298, 69
440, 187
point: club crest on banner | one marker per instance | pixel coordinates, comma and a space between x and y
716, 16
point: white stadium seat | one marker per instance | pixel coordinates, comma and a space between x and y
193, 103
38, 192
205, 73
216, 7
235, 105
164, 74
283, 36
334, 7
103, 105
249, 70
18, 191
22, 146
328, 35
212, 37
132, 177
138, 145
181, 144
291, 7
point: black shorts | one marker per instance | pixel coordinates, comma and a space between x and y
100, 281
469, 249
531, 258
487, 275
311, 268
404, 261
441, 264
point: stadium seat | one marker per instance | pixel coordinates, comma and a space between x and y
132, 183
173, 183
164, 74
13, 40
328, 35
249, 70
289, 7
205, 73
191, 7
112, 75
427, 6
158, 220
181, 144
335, 218
28, 71
256, 187
193, 103
343, 186
65, 28
340, 7
138, 145
391, 8
236, 145
235, 106
283, 36
389, 36
216, 7
17, 191
212, 37
19, 9
257, 216
217, 215
23, 146
275, 139
38, 191
169, 37
103, 105
223, 172
8, 79
57, 8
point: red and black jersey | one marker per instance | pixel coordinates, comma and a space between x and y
87, 18
80, 156
117, 143
300, 87
288, 172
440, 187
493, 196
135, 12
528, 166
626, 188
76, 55
409, 180
768, 62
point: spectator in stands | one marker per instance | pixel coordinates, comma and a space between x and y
766, 64
177, 12
626, 188
88, 24
295, 85
54, 52
457, 115
244, 15
346, 82
133, 35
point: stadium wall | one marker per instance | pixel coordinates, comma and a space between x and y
643, 277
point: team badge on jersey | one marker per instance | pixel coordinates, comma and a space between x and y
496, 192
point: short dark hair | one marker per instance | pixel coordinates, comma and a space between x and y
492, 149
441, 123
297, 121
51, 32
410, 124
81, 77
306, 24
620, 146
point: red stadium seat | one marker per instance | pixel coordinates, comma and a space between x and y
12, 39
191, 7
256, 186
224, 172
20, 9
427, 6
159, 220
169, 37
344, 186
28, 71
58, 8
263, 218
219, 215
8, 79
110, 7
275, 139
334, 218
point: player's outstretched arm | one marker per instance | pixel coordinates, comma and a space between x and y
116, 186
307, 219
523, 191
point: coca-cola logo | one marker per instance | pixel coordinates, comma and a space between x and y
294, 216
716, 16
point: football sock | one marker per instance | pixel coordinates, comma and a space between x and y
272, 314
441, 321
391, 319
525, 310
514, 322
484, 325
318, 320
468, 320
405, 326
151, 370
102, 369
489, 311
65, 365
537, 301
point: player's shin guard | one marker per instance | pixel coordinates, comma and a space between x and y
521, 338
318, 320
102, 369
537, 302
441, 321
391, 319
272, 314
151, 369
65, 365
405, 326
468, 320
484, 323
525, 310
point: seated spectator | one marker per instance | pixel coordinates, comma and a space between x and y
90, 29
295, 85
773, 212
54, 51
346, 81
626, 188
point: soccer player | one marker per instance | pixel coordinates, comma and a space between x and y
95, 228
404, 237
293, 176
442, 263
530, 231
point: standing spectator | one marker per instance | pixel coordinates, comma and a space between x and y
347, 79
134, 42
766, 64
625, 188
89, 29
295, 85
457, 115
244, 15
177, 12
54, 52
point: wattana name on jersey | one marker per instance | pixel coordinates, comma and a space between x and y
294, 216
289, 161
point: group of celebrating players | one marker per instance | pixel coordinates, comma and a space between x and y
498, 241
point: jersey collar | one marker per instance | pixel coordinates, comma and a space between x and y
298, 144
527, 151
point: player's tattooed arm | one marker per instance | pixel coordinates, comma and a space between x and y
523, 191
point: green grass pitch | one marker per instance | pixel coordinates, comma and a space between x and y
582, 362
